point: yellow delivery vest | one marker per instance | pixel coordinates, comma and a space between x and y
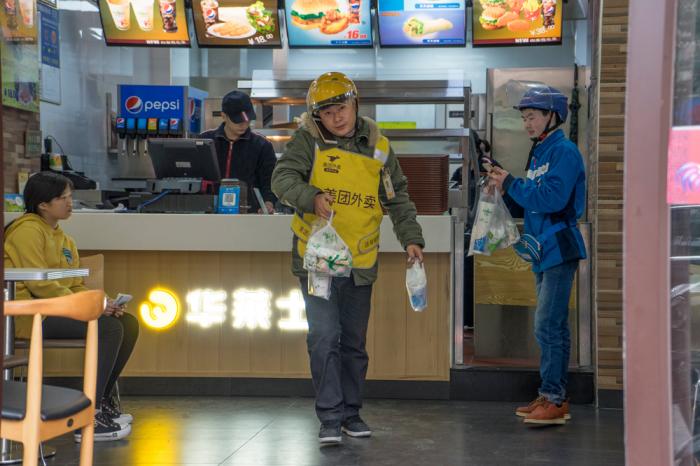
353, 182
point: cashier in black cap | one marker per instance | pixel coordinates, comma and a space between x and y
242, 154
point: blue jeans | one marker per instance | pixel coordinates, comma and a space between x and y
552, 328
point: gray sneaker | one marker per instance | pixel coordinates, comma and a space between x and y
355, 427
330, 433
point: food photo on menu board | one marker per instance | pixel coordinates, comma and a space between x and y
329, 23
144, 22
421, 23
517, 22
19, 21
236, 23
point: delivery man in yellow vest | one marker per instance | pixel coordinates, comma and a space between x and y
340, 162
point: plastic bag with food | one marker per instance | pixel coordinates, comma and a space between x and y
417, 286
319, 285
494, 227
326, 252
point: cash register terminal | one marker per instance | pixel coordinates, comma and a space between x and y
186, 173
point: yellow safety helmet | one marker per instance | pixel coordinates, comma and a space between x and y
329, 89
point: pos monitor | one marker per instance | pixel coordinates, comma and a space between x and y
184, 158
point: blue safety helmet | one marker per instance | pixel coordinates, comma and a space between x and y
545, 98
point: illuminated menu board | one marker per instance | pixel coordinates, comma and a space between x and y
517, 22
144, 22
421, 23
236, 23
329, 23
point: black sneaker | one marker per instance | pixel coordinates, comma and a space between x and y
106, 430
330, 433
110, 408
355, 427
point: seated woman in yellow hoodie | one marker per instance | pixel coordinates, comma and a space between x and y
35, 240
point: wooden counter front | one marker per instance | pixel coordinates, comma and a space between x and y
505, 279
402, 344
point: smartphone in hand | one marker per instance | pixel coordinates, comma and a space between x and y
122, 299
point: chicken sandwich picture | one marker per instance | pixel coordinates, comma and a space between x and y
312, 14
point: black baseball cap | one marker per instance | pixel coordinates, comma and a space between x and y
238, 107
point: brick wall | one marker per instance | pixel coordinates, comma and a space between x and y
15, 124
607, 201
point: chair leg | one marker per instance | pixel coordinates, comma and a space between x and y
87, 444
30, 454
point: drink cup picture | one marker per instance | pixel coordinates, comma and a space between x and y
168, 14
26, 10
354, 13
210, 12
121, 14
549, 9
144, 11
11, 14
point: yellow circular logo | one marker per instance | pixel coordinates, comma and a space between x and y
161, 310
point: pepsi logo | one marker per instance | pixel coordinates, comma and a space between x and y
134, 104
168, 9
193, 108
210, 13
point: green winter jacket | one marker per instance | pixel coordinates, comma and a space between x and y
290, 183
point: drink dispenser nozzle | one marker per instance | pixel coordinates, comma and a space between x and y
131, 144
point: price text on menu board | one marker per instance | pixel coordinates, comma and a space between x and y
144, 22
236, 23
517, 22
426, 23
329, 23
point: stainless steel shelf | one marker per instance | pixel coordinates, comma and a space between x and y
426, 133
293, 92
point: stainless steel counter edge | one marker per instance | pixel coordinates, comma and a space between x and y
200, 232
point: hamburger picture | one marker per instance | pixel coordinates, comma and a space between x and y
310, 14
490, 16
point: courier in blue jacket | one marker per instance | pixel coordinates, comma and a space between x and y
551, 199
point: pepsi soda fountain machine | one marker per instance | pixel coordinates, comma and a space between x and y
152, 111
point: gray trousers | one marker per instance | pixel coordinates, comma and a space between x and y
336, 343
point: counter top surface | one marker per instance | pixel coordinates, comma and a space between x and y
202, 232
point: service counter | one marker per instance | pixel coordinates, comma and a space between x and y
216, 298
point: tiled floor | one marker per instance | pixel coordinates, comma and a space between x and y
283, 432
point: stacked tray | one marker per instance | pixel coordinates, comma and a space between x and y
428, 181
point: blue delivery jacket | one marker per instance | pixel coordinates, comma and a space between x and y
553, 192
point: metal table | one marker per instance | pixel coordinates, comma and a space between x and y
10, 452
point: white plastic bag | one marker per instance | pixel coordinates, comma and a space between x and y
326, 252
417, 286
494, 227
319, 284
